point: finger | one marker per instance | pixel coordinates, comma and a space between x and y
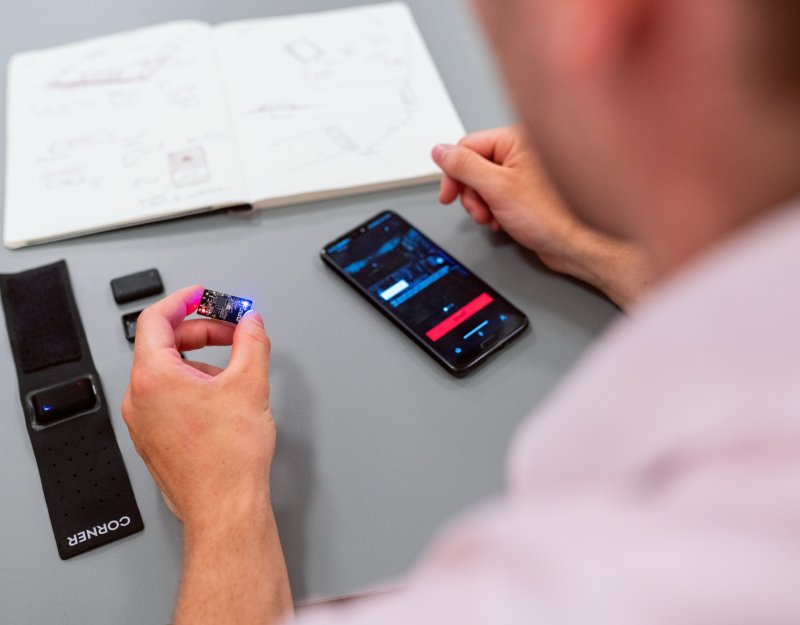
199, 333
494, 144
449, 190
476, 206
466, 166
483, 142
250, 351
155, 327
205, 368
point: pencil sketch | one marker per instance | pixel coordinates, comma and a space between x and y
135, 116
345, 86
314, 146
64, 149
303, 50
70, 177
138, 147
189, 167
103, 67
86, 160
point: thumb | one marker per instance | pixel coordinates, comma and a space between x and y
250, 349
464, 165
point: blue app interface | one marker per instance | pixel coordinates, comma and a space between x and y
424, 287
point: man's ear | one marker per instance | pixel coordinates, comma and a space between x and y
595, 38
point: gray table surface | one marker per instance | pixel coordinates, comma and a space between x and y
378, 446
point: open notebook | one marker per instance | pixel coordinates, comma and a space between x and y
185, 117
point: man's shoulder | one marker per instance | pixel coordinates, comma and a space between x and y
713, 353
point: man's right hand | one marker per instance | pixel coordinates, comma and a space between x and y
207, 436
502, 185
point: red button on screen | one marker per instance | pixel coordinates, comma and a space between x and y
459, 317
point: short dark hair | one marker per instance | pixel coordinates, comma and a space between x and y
781, 41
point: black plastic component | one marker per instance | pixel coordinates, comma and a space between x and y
64, 401
129, 325
137, 286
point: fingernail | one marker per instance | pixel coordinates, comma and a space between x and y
254, 316
440, 151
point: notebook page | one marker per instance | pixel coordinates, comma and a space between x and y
117, 130
329, 102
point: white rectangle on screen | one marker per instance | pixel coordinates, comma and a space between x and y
395, 289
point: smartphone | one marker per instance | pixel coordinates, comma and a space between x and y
446, 309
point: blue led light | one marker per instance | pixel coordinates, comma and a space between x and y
458, 350
246, 305
503, 317
47, 407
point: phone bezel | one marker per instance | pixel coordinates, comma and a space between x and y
465, 363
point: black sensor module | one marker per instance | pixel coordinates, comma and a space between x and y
223, 306
136, 286
129, 324
64, 401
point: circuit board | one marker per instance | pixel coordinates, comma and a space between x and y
222, 306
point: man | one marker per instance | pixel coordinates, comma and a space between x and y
659, 484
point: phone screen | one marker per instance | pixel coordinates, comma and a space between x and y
447, 309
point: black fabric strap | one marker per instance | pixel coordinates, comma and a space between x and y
86, 487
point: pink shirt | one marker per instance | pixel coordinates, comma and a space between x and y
660, 483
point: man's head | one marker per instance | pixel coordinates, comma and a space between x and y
669, 121
778, 55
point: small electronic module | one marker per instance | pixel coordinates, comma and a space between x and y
222, 306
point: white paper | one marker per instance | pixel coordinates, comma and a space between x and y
117, 130
341, 100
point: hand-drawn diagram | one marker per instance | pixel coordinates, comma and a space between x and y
189, 167
304, 50
103, 67
60, 169
137, 117
132, 68
315, 146
338, 86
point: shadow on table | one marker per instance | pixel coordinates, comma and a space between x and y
292, 470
